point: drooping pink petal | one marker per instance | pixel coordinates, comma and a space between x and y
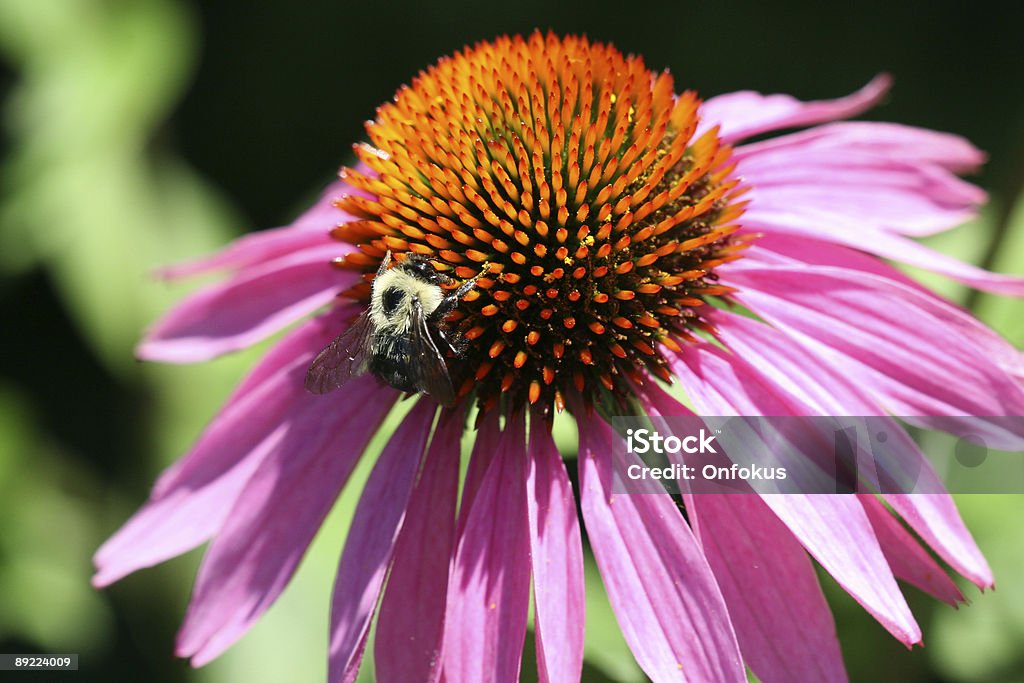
664, 594
893, 141
308, 230
193, 497
485, 446
824, 225
746, 113
836, 531
909, 561
935, 519
821, 390
833, 528
293, 354
783, 623
787, 250
252, 250
856, 190
818, 388
324, 215
489, 588
277, 514
931, 513
885, 333
371, 538
557, 557
780, 249
245, 309
858, 184
707, 372
410, 626
182, 519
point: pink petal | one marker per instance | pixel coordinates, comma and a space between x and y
857, 190
489, 588
663, 592
308, 230
824, 225
817, 388
909, 561
783, 623
293, 353
935, 519
277, 514
324, 215
836, 531
891, 141
557, 556
907, 348
254, 249
780, 249
932, 514
245, 309
746, 113
707, 374
410, 626
193, 497
833, 528
855, 184
821, 390
371, 538
485, 446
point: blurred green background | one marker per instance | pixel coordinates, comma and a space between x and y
136, 133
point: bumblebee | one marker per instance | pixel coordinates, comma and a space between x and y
401, 338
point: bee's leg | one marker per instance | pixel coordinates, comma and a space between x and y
451, 341
449, 303
457, 343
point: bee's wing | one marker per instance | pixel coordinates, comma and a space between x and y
343, 359
431, 373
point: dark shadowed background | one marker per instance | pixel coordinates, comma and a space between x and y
136, 133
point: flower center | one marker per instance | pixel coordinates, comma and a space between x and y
571, 177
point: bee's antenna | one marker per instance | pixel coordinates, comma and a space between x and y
384, 263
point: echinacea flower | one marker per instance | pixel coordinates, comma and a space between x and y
616, 230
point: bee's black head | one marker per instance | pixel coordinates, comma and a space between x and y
420, 267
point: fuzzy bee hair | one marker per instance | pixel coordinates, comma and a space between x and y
395, 291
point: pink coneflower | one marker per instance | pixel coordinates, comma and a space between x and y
616, 232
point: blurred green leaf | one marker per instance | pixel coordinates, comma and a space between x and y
982, 641
1005, 314
85, 192
605, 649
47, 533
566, 434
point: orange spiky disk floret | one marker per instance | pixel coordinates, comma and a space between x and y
571, 177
